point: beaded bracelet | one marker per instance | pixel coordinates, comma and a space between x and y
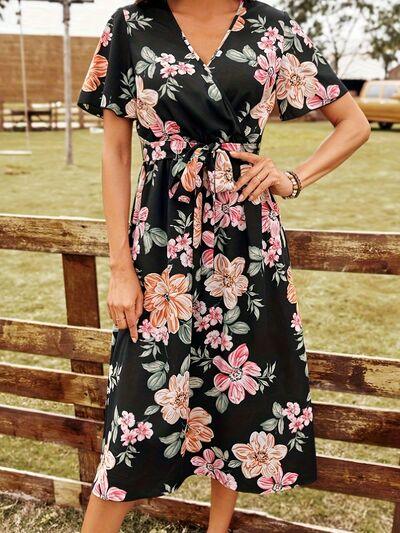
297, 186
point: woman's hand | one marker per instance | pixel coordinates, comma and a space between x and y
125, 299
261, 175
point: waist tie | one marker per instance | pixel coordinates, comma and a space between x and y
197, 164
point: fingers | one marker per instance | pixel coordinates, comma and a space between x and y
131, 320
245, 156
260, 175
249, 174
127, 317
264, 185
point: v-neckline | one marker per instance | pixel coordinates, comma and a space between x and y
188, 43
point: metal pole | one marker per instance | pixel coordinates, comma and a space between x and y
23, 74
67, 83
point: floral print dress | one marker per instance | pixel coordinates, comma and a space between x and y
217, 383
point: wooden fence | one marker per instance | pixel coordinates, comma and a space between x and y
82, 341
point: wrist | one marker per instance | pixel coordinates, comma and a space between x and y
296, 184
121, 263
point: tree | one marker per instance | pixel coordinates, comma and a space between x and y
331, 24
2, 6
385, 40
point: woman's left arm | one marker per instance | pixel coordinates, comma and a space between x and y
351, 130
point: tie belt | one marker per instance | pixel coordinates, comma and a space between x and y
197, 164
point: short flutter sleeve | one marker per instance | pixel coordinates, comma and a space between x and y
110, 79
305, 79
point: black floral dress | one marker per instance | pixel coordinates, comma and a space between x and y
217, 383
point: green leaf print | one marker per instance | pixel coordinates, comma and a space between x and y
157, 380
151, 409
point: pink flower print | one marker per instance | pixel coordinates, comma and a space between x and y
208, 464
126, 420
277, 482
197, 430
221, 178
236, 374
276, 244
263, 109
296, 322
261, 455
307, 415
322, 96
166, 59
126, 14
135, 243
296, 81
129, 436
208, 238
226, 342
177, 144
207, 258
140, 215
296, 424
103, 491
106, 36
281, 42
183, 242
291, 410
185, 68
227, 480
213, 338
146, 328
107, 462
269, 67
144, 430
172, 128
227, 212
165, 130
184, 198
172, 249
270, 255
227, 280
268, 40
142, 107
199, 308
208, 213
202, 323
174, 399
169, 70
187, 258
215, 314
158, 154
161, 334
297, 30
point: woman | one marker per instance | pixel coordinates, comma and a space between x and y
208, 371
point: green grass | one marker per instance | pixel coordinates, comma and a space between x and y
341, 312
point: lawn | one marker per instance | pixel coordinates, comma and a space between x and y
341, 312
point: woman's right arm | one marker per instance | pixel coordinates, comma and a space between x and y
125, 296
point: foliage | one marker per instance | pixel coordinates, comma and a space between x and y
332, 26
385, 30
3, 4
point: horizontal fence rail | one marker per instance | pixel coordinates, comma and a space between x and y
341, 251
87, 347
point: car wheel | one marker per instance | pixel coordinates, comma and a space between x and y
385, 125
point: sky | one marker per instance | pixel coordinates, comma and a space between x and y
45, 18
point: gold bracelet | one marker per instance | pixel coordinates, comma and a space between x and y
297, 186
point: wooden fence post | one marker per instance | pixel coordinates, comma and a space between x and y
81, 294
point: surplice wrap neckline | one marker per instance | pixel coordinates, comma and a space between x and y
206, 65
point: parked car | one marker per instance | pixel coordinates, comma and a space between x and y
380, 102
